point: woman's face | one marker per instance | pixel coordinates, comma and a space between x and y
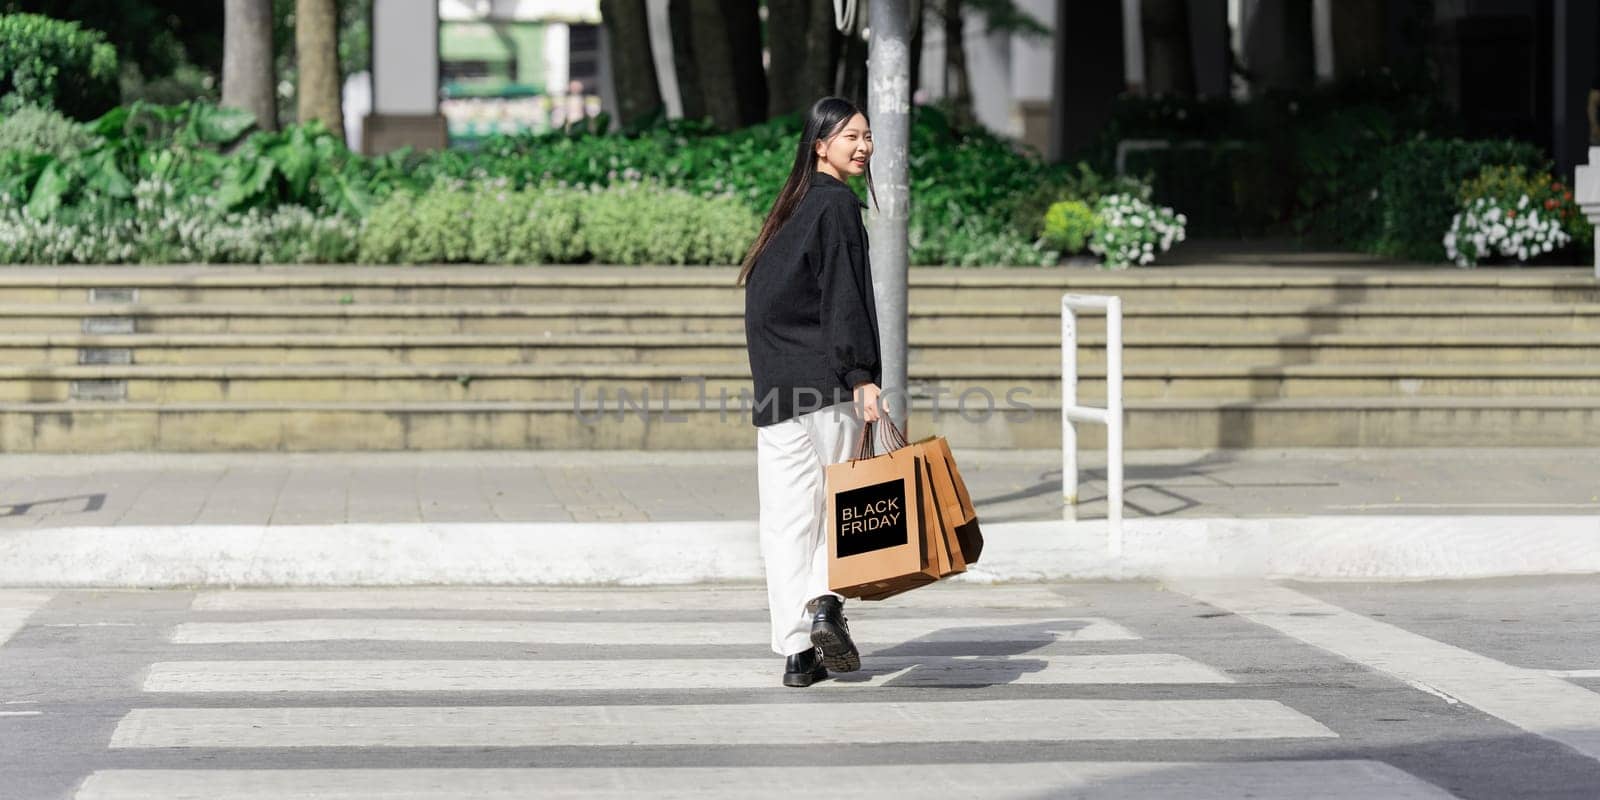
846, 153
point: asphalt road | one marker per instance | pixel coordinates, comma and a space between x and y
1485, 689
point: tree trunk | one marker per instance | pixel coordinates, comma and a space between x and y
803, 44
632, 68
958, 81
727, 52
692, 93
789, 52
316, 47
1360, 37
744, 53
247, 77
712, 56
1168, 58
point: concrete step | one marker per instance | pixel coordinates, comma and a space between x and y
986, 385
1232, 320
931, 349
699, 286
1382, 422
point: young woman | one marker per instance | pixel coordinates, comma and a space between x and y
811, 327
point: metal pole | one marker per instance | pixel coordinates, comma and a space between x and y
1114, 424
1069, 398
889, 106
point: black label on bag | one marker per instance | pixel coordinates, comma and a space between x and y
871, 518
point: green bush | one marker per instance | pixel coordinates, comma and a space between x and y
31, 129
1547, 194
624, 224
1421, 181
1068, 225
55, 64
975, 242
675, 192
644, 224
163, 229
528, 227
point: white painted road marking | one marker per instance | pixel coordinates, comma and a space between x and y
706, 725
15, 609
1529, 699
1084, 780
754, 599
659, 674
865, 630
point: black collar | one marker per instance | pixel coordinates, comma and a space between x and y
823, 179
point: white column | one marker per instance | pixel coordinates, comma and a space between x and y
557, 57
1238, 17
1588, 197
405, 57
1322, 38
1133, 45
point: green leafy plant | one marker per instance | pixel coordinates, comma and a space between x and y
55, 64
1500, 225
32, 129
1132, 231
1417, 195
165, 227
1548, 195
625, 224
1068, 225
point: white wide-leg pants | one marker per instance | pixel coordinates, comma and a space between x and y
790, 457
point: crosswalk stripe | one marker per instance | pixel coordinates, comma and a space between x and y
15, 609
864, 630
659, 674
707, 725
1575, 673
1086, 780
951, 595
1530, 699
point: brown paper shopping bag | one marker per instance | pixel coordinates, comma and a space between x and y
940, 546
877, 542
954, 503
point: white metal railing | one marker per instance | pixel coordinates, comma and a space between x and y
1110, 416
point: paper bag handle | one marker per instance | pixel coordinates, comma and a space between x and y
865, 445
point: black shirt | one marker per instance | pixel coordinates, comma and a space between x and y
810, 319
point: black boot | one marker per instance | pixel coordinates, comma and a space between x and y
832, 636
803, 669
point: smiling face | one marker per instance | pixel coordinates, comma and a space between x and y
846, 152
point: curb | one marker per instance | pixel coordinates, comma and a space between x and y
670, 553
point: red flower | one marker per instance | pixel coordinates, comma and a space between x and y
1567, 196
1550, 203
1511, 214
1556, 186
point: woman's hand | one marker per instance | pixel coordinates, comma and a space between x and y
867, 401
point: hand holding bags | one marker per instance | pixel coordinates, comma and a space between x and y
899, 520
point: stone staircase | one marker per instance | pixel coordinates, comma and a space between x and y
370, 358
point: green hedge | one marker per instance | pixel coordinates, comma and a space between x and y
624, 224
981, 202
55, 64
41, 130
1417, 194
1371, 164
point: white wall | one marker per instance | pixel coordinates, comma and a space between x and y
405, 57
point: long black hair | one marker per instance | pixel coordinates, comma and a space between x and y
826, 118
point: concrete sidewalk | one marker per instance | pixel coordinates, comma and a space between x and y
53, 491
647, 518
